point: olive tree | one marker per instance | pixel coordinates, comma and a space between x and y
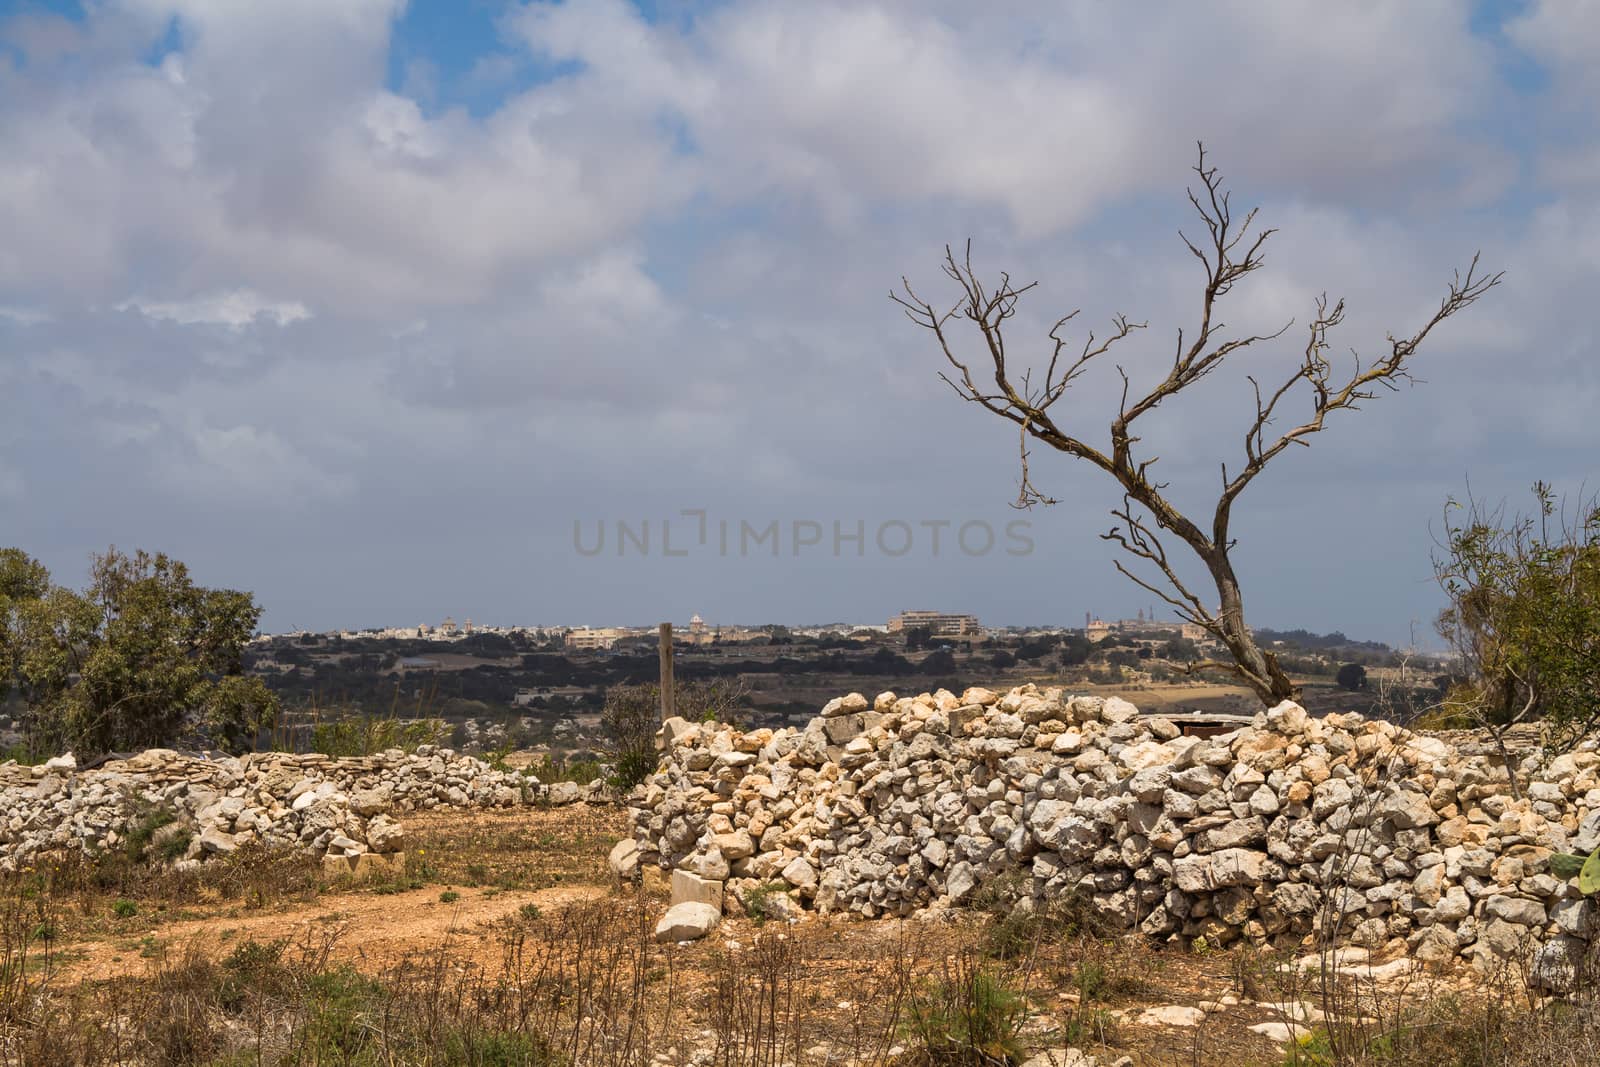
1029, 394
135, 660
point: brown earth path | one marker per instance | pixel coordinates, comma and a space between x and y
372, 931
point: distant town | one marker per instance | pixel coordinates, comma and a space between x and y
942, 624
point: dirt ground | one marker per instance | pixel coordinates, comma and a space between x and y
373, 932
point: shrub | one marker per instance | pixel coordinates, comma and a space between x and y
967, 1016
364, 735
758, 902
632, 715
1352, 676
1524, 617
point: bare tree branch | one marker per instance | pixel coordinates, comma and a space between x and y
1231, 248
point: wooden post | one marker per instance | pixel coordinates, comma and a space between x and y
669, 698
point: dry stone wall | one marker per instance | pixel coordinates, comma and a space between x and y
884, 807
331, 807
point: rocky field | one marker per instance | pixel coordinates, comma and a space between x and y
1027, 877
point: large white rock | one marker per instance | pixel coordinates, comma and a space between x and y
1115, 709
849, 704
624, 860
214, 840
800, 874
690, 887
1287, 717
1146, 754
385, 835
689, 921
562, 793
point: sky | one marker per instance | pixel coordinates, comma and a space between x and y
578, 313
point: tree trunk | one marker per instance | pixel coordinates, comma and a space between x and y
1258, 668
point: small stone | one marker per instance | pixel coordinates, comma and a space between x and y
1170, 1015
1282, 1033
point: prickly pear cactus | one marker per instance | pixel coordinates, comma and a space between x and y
1585, 868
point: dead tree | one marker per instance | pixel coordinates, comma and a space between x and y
1230, 249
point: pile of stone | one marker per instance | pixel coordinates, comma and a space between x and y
1286, 826
336, 808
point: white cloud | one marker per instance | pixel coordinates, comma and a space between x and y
304, 178
1048, 111
24, 316
1565, 35
251, 464
236, 309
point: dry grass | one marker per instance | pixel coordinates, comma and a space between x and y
578, 979
517, 849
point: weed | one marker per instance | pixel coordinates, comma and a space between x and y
175, 845
758, 901
363, 735
1310, 1049
123, 908
969, 1015
143, 830
449, 896
1091, 981
1018, 925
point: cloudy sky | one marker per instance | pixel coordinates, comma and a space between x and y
388, 311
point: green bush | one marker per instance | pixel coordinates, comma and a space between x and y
1524, 618
968, 1017
136, 660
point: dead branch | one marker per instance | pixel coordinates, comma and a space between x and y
1231, 249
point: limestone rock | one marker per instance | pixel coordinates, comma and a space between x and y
385, 835
690, 887
689, 921
623, 862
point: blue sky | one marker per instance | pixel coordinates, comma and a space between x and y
363, 305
